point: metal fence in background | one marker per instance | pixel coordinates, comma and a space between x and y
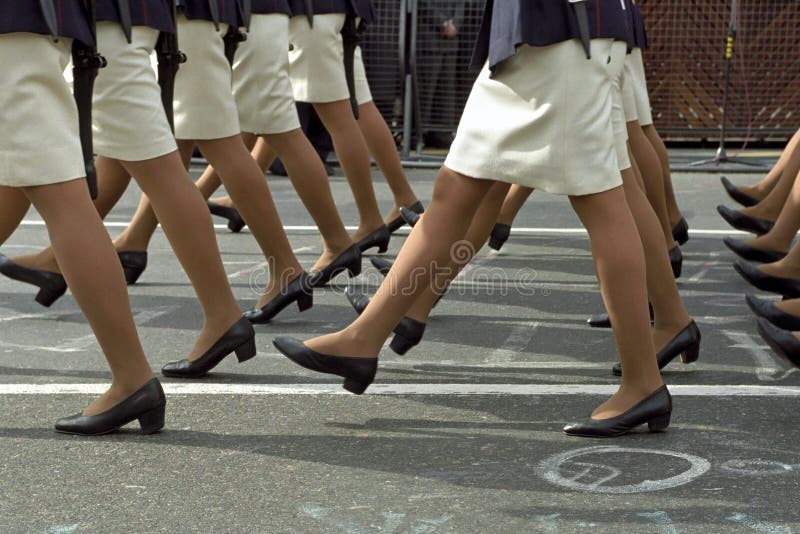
421, 79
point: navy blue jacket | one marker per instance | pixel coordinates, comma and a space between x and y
152, 13
359, 8
266, 7
199, 10
510, 23
26, 16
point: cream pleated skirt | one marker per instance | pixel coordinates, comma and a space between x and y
634, 72
128, 118
39, 144
204, 105
261, 81
545, 119
317, 61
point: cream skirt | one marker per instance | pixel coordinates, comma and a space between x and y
261, 81
128, 118
204, 103
545, 120
40, 143
639, 83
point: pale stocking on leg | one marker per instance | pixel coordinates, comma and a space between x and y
781, 236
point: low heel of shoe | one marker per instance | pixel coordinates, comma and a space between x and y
660, 423
354, 386
383, 247
691, 355
246, 351
401, 345
132, 275
235, 226
46, 297
305, 302
496, 244
152, 421
354, 268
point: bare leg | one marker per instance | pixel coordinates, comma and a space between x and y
516, 198
94, 274
13, 207
650, 168
382, 147
476, 237
353, 156
187, 223
657, 143
783, 233
112, 180
668, 310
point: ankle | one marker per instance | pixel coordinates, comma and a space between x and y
127, 383
125, 243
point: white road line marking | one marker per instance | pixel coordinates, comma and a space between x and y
712, 262
515, 343
196, 388
405, 230
766, 370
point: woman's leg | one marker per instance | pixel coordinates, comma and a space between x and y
209, 181
187, 223
668, 310
93, 272
788, 267
475, 238
13, 207
790, 157
651, 172
354, 158
657, 143
112, 180
248, 189
516, 198
770, 207
382, 147
780, 237
620, 264
422, 262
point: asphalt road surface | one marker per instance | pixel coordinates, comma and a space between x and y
463, 434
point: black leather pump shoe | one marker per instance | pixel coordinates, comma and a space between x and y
382, 264
603, 321
235, 221
788, 287
300, 290
358, 300
499, 236
147, 404
240, 338
676, 261
378, 238
51, 285
655, 410
746, 252
358, 373
686, 344
769, 311
680, 232
407, 335
782, 342
743, 222
412, 214
133, 265
736, 194
349, 260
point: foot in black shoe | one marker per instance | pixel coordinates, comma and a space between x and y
736, 194
240, 338
133, 264
52, 286
769, 311
407, 335
382, 264
299, 290
788, 287
655, 410
147, 404
358, 373
743, 222
358, 300
686, 344
500, 234
416, 209
603, 321
676, 261
782, 342
745, 251
378, 238
410, 217
349, 260
680, 232
235, 221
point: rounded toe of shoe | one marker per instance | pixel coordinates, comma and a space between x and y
67, 425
